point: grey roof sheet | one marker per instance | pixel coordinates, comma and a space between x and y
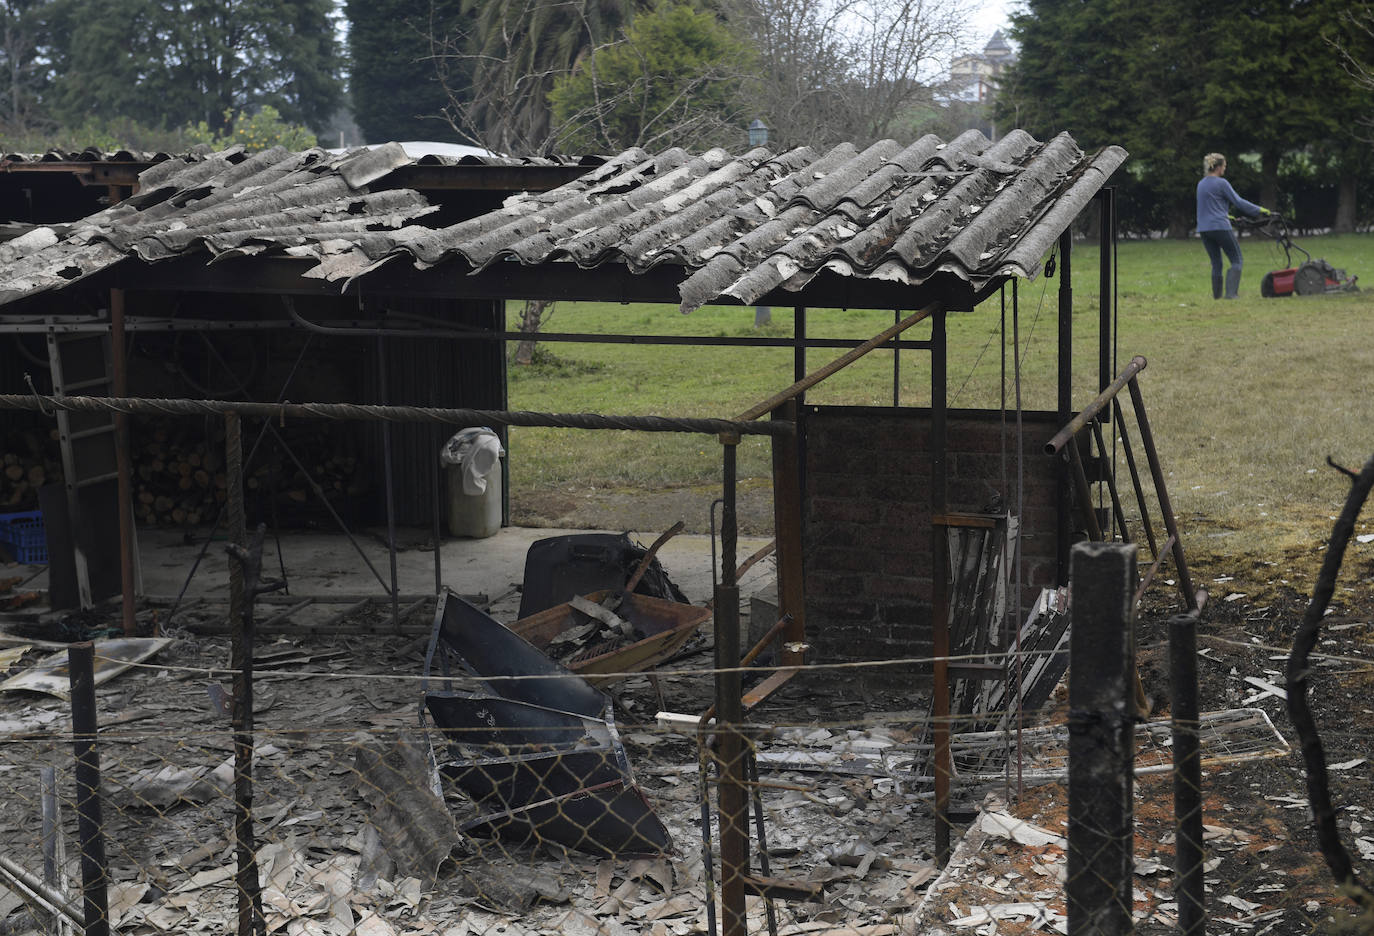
741, 226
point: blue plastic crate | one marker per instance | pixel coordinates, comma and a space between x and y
24, 533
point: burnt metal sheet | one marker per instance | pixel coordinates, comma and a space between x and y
609, 821
732, 227
558, 568
499, 659
539, 757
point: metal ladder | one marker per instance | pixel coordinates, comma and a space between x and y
80, 366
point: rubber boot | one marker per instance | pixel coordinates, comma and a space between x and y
1216, 285
1233, 282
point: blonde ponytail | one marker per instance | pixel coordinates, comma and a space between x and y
1211, 161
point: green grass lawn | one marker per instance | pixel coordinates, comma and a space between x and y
1246, 398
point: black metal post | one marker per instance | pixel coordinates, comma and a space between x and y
733, 803
939, 549
390, 489
243, 582
90, 826
1064, 489
1101, 740
1189, 887
436, 498
1166, 507
1105, 331
896, 364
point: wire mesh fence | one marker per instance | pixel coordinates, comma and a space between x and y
376, 809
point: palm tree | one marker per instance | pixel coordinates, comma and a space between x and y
514, 51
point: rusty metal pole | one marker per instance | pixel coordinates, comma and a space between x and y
733, 804
939, 549
90, 825
1166, 508
1102, 713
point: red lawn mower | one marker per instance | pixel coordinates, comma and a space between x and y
1309, 278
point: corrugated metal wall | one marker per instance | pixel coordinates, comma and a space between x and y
430, 372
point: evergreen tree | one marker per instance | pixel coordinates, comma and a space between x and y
394, 83
176, 62
22, 73
673, 80
1171, 81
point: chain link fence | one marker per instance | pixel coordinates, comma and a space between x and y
385, 802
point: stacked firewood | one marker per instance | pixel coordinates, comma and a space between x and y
30, 460
179, 473
177, 479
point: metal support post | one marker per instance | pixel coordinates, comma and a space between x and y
787, 529
250, 917
1166, 506
123, 465
1064, 493
731, 798
939, 551
1189, 855
1106, 335
1102, 713
90, 825
390, 488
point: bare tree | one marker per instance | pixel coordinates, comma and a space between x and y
839, 70
1357, 33
498, 68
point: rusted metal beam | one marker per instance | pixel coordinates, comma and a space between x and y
455, 280
841, 362
1085, 494
1126, 449
1166, 507
1089, 413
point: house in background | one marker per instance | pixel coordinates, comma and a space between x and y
975, 80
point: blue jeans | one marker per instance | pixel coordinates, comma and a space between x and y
1217, 243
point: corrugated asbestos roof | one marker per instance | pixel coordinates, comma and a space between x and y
424, 153
741, 226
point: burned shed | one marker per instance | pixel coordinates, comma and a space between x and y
361, 248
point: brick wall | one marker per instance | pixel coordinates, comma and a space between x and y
866, 516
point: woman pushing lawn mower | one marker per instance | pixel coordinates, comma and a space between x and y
1215, 198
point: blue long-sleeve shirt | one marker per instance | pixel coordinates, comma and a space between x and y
1214, 197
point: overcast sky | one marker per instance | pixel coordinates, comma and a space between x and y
988, 16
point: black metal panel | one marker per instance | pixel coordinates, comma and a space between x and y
99, 506
492, 651
429, 372
561, 567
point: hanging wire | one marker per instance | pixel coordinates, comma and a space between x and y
1024, 353
969, 376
